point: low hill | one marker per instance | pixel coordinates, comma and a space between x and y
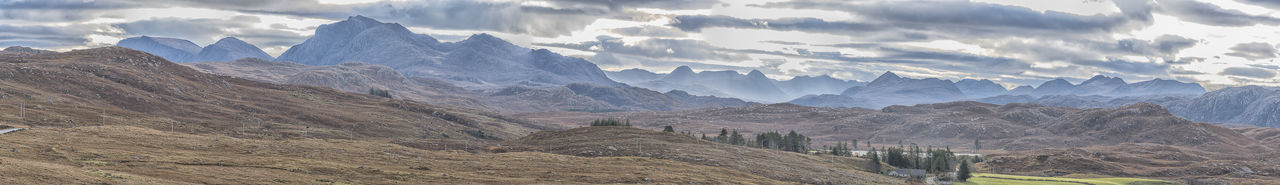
120, 86
614, 141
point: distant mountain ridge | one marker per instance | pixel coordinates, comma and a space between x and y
751, 86
179, 50
891, 89
480, 61
360, 77
1249, 105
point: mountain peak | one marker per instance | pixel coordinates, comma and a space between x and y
361, 18
682, 69
888, 74
886, 77
755, 74
229, 40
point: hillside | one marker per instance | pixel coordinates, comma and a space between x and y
119, 86
610, 141
1142, 160
118, 154
1012, 127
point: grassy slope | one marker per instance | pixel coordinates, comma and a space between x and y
136, 155
1001, 179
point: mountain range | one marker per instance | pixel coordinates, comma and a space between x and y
1247, 105
179, 50
360, 77
753, 86
891, 89
480, 61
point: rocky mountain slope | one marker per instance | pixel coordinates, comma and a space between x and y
481, 61
179, 50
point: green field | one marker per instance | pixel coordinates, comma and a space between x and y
1000, 179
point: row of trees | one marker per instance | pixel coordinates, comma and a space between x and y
929, 159
610, 122
792, 141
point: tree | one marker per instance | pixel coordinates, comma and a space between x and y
668, 128
963, 174
977, 145
854, 143
380, 92
723, 137
736, 139
874, 164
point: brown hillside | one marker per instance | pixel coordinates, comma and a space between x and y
135, 155
1009, 127
1142, 160
119, 86
615, 141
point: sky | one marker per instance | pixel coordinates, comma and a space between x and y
1216, 43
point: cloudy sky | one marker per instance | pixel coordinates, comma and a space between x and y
1014, 42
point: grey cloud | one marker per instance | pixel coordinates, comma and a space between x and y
46, 36
1253, 51
628, 4
1163, 45
698, 22
1210, 14
784, 42
655, 48
197, 30
508, 17
978, 18
1248, 72
650, 31
1264, 3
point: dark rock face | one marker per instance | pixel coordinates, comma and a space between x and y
481, 61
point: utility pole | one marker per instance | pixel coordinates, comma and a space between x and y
23, 111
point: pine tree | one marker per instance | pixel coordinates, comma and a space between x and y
963, 174
668, 128
875, 161
723, 137
977, 145
854, 143
736, 139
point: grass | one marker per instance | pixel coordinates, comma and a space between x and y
1001, 179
